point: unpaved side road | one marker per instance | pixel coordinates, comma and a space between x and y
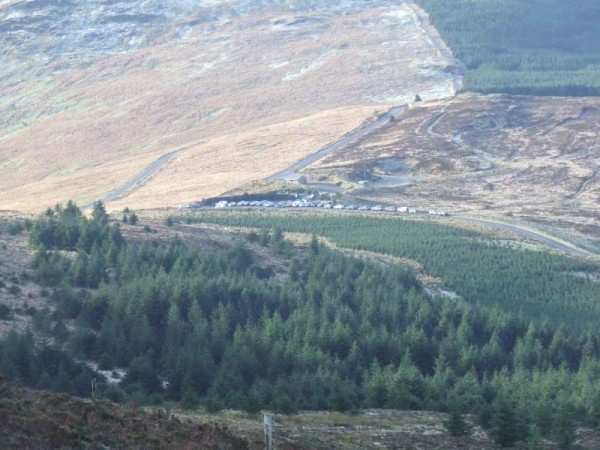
139, 179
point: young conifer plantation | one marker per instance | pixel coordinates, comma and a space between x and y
534, 47
338, 333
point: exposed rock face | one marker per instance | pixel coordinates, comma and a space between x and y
71, 29
76, 31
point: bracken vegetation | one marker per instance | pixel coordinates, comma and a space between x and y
33, 420
537, 47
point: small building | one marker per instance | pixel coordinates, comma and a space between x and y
296, 178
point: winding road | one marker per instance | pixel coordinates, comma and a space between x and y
384, 119
533, 235
359, 133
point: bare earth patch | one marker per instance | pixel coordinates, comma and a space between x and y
17, 291
369, 429
526, 157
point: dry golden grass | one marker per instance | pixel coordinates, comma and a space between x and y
230, 161
222, 90
83, 186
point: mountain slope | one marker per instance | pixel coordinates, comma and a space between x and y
96, 91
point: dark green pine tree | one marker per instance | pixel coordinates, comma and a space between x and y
99, 213
314, 245
534, 440
456, 424
506, 425
563, 429
594, 412
95, 268
79, 270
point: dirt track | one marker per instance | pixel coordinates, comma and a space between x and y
140, 178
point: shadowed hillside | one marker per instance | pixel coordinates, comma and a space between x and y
37, 419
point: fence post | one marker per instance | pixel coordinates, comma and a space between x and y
268, 424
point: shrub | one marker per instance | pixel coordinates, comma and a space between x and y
14, 290
14, 228
5, 312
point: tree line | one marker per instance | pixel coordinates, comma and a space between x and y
538, 47
539, 285
332, 333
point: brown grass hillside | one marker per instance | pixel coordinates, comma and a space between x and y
243, 89
42, 420
530, 157
39, 420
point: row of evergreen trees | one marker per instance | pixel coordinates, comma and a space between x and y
540, 285
537, 47
329, 332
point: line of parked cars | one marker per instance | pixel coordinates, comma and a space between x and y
326, 204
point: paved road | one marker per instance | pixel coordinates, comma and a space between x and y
384, 119
548, 240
